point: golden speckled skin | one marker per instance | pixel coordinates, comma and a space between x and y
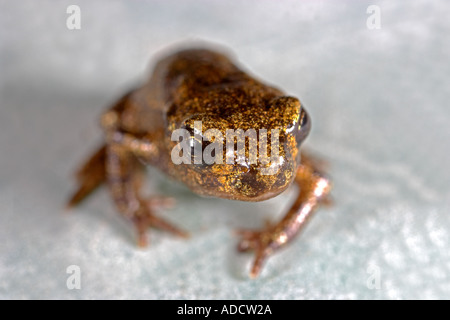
202, 85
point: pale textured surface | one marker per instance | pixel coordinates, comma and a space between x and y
379, 107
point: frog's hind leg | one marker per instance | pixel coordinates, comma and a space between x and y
90, 176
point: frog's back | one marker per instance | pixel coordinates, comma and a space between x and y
188, 74
190, 81
176, 77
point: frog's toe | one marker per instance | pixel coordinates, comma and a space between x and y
160, 202
258, 241
144, 221
249, 240
260, 258
162, 224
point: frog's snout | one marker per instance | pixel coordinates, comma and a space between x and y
264, 182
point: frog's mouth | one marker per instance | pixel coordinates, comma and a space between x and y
245, 182
249, 186
256, 185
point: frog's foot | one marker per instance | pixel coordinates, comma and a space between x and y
264, 242
145, 219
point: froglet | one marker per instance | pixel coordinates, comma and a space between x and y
194, 86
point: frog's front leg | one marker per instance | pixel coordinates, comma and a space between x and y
313, 190
124, 176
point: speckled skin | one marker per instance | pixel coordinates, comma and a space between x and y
202, 85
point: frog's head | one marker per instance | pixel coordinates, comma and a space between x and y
246, 153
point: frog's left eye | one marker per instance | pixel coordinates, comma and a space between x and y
304, 126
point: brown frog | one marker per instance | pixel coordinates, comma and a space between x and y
202, 86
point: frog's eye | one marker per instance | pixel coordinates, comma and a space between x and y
304, 126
